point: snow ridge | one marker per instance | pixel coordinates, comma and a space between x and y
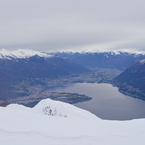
20, 53
56, 108
21, 125
26, 53
110, 51
53, 108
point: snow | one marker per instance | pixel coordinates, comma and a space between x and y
20, 53
56, 108
21, 125
142, 61
109, 51
26, 53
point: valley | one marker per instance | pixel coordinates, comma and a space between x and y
31, 91
122, 69
32, 76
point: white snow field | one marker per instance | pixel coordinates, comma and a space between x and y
56, 123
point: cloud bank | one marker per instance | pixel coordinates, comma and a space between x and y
72, 25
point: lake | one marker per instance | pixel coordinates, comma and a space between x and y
107, 102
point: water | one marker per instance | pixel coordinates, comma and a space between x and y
107, 102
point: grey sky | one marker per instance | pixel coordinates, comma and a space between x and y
72, 24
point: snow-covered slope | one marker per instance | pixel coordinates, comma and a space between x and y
20, 53
61, 109
20, 125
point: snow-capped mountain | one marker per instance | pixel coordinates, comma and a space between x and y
21, 53
29, 65
104, 59
20, 125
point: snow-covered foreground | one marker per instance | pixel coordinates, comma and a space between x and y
56, 123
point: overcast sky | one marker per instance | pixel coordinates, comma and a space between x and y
72, 24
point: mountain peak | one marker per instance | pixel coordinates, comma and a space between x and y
20, 53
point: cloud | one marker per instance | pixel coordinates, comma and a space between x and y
67, 24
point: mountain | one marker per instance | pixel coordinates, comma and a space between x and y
30, 63
39, 67
52, 122
106, 64
114, 60
20, 53
20, 66
132, 80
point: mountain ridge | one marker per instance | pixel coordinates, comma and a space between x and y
113, 60
20, 53
14, 70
